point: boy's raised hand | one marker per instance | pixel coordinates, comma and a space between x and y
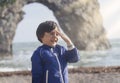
65, 38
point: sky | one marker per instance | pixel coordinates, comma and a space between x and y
36, 13
110, 11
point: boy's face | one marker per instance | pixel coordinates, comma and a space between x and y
50, 38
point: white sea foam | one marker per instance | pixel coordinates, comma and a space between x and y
8, 69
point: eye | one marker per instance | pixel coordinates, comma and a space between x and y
56, 34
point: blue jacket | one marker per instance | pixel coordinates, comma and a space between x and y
49, 65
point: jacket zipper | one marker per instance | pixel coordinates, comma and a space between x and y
59, 67
47, 76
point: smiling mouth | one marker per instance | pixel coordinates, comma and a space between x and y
54, 41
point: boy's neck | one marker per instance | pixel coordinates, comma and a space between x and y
49, 45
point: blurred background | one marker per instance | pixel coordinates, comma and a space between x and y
25, 41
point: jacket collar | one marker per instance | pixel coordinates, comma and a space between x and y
49, 47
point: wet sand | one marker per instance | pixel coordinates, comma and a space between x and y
76, 75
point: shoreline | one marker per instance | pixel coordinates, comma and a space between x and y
112, 69
76, 75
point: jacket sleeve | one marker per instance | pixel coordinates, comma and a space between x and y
36, 68
72, 55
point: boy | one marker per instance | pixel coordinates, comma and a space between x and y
49, 61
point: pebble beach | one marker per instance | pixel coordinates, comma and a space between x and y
76, 75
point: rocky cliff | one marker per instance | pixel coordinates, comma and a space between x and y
10, 16
79, 19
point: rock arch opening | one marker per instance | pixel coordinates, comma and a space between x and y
35, 13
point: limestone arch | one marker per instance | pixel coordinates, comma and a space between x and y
79, 19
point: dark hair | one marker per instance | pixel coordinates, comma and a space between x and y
46, 26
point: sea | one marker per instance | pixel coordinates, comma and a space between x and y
22, 52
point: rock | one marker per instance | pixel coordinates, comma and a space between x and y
79, 19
